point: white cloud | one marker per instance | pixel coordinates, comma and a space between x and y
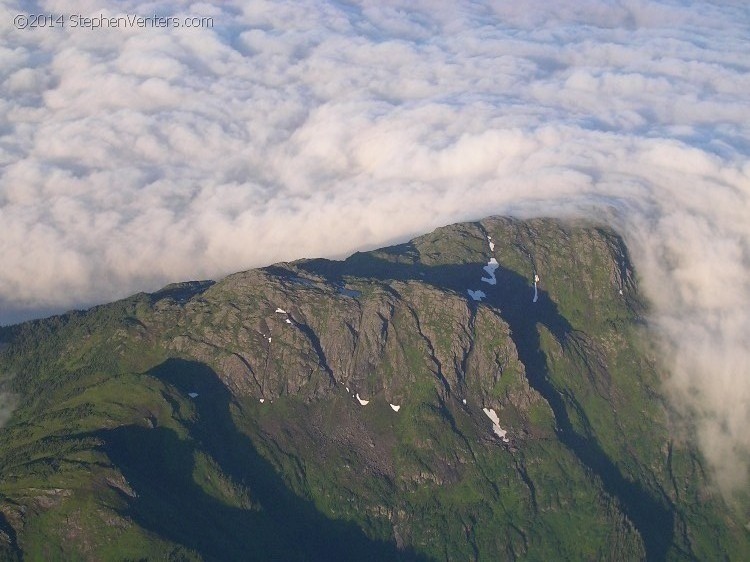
131, 158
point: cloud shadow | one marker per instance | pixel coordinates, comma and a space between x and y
158, 464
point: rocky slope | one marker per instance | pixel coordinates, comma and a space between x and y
364, 409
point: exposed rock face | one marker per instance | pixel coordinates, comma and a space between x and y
259, 412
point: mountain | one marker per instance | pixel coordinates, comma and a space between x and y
365, 409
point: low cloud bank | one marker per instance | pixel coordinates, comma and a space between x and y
131, 158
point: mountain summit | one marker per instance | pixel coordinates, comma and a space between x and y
483, 392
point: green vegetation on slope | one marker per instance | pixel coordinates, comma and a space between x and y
219, 421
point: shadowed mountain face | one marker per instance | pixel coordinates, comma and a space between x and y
364, 409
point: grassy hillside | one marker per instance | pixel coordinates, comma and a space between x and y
226, 421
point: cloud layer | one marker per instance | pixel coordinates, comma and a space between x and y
131, 158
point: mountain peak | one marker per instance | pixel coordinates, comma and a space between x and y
480, 391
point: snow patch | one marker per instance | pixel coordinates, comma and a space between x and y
288, 321
499, 431
192, 394
464, 400
492, 244
476, 295
363, 402
269, 340
492, 415
536, 292
490, 268
395, 408
262, 400
281, 311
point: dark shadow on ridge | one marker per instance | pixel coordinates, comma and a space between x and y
158, 464
181, 292
512, 296
10, 550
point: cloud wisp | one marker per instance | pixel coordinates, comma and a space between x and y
134, 157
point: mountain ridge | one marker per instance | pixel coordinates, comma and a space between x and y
281, 361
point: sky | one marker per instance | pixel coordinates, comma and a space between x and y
133, 157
